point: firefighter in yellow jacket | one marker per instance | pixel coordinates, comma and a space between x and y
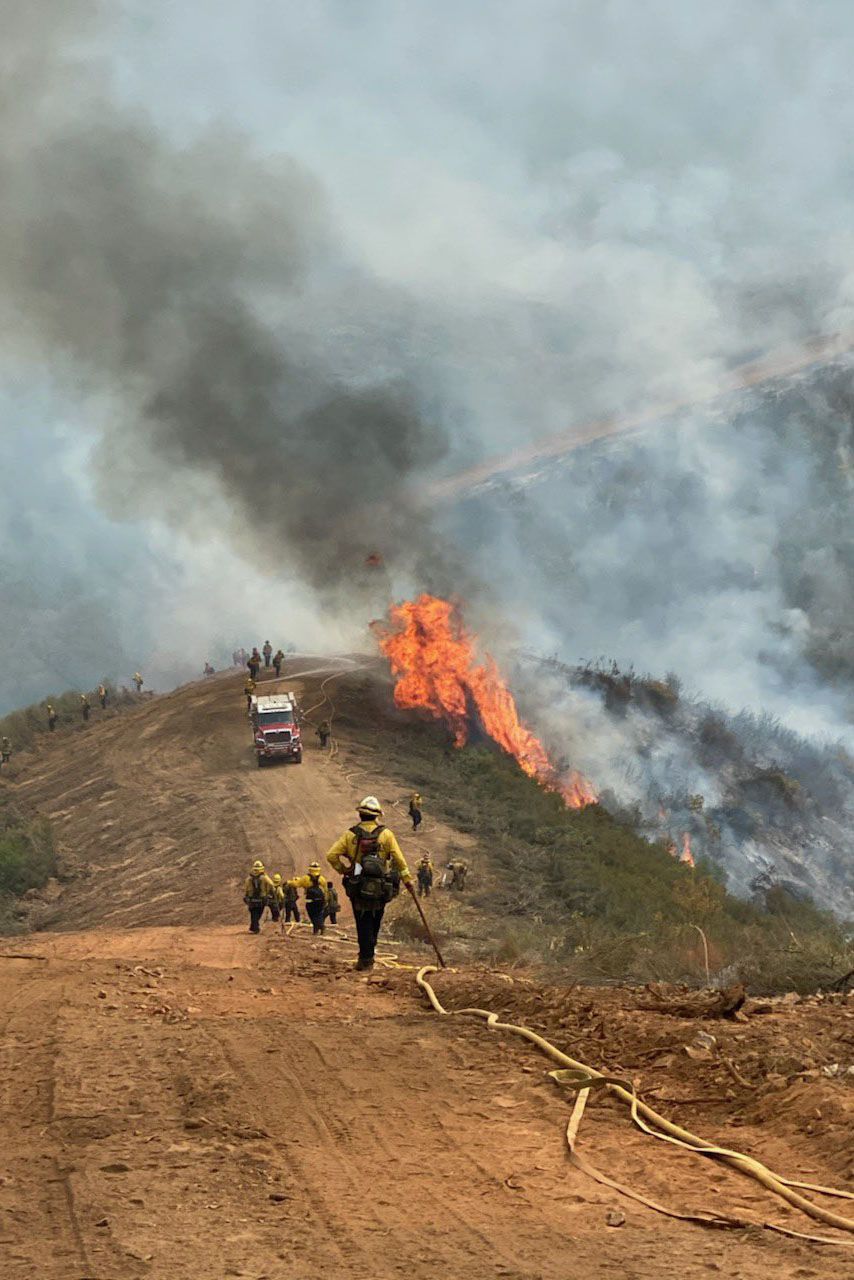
249, 688
258, 892
424, 872
315, 895
372, 864
278, 903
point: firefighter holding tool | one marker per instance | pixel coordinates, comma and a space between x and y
369, 859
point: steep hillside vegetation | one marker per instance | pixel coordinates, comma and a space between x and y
583, 889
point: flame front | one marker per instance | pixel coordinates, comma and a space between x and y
434, 661
686, 855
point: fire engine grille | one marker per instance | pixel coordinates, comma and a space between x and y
277, 736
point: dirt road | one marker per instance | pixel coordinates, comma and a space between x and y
181, 1099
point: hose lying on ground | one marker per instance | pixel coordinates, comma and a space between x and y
583, 1078
385, 959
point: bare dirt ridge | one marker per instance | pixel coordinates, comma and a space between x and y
182, 1099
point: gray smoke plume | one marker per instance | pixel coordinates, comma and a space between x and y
167, 282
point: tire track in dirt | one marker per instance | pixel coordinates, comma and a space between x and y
234, 1105
46, 1235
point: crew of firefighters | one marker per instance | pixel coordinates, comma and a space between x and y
84, 703
372, 867
258, 658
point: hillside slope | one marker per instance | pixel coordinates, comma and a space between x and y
158, 813
183, 1099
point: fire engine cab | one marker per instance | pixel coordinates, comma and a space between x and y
274, 724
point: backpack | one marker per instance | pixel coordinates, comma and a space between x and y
373, 886
315, 892
255, 893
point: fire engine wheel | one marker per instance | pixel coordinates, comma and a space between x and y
260, 762
298, 759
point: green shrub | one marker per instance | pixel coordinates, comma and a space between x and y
27, 858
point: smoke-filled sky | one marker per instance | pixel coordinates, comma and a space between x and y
265, 269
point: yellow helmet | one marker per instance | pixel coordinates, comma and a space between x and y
314, 869
277, 879
370, 804
257, 868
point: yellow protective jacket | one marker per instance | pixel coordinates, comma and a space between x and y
304, 882
426, 864
342, 855
279, 893
259, 887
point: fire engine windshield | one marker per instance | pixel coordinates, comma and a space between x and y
276, 717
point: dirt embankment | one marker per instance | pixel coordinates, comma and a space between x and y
181, 1099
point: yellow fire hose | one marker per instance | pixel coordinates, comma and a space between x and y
577, 1075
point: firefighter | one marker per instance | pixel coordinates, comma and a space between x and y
267, 652
258, 893
415, 810
315, 895
249, 689
84, 706
5, 750
208, 669
333, 905
368, 857
102, 696
425, 876
324, 733
278, 897
278, 659
253, 662
460, 870
291, 901
138, 681
51, 717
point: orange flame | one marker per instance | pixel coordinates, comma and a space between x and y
434, 660
686, 855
